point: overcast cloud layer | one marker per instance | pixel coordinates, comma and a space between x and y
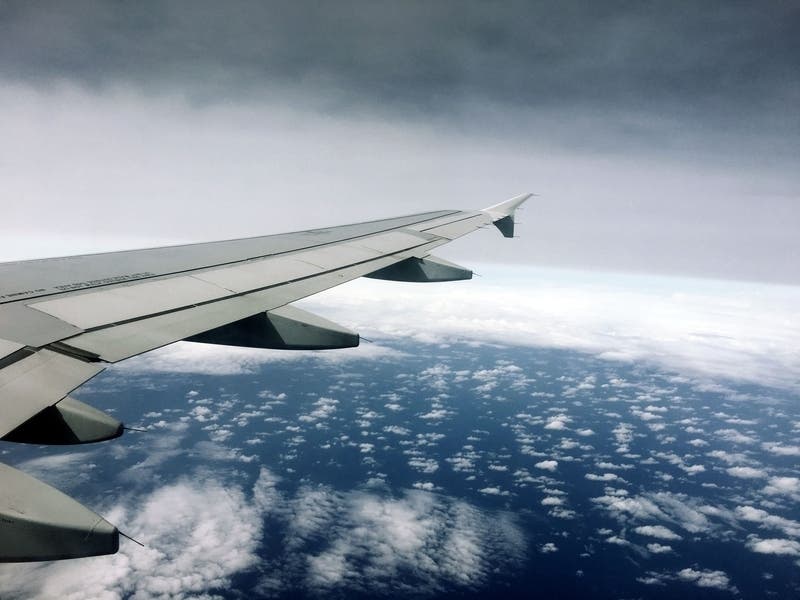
727, 59
662, 137
717, 332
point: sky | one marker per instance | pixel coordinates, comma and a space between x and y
661, 138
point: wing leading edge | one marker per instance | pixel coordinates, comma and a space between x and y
63, 320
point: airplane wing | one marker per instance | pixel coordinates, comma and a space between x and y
63, 320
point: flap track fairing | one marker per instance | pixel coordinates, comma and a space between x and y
41, 523
67, 422
422, 270
285, 328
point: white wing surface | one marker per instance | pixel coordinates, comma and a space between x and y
63, 320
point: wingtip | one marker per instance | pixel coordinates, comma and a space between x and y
507, 208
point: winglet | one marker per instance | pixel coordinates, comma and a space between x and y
503, 214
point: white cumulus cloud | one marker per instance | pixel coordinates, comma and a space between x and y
547, 465
705, 578
746, 472
774, 546
657, 531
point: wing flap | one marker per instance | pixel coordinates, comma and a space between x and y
32, 327
95, 309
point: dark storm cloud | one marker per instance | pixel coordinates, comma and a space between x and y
730, 62
663, 136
